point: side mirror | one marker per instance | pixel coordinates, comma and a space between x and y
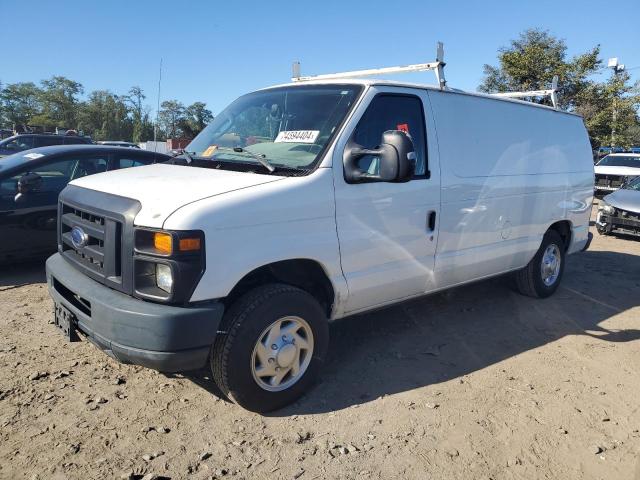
29, 182
396, 159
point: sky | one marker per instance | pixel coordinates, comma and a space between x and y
214, 51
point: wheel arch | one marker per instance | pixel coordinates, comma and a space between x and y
564, 229
304, 273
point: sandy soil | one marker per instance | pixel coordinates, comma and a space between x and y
479, 382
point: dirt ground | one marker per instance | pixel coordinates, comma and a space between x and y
478, 382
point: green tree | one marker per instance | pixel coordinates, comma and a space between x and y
142, 125
530, 63
102, 114
59, 100
198, 116
610, 111
106, 116
19, 102
171, 117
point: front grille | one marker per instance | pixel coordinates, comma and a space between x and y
106, 252
609, 182
102, 253
633, 216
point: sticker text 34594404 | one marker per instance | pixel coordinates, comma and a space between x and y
297, 136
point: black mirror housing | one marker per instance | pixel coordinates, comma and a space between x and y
396, 156
29, 182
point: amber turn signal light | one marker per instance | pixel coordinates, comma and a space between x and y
189, 244
162, 242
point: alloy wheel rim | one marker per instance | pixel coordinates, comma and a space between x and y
282, 354
551, 263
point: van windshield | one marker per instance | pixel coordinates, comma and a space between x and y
289, 127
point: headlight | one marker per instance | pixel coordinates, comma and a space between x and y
164, 278
167, 264
606, 208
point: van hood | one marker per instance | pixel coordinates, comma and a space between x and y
613, 170
162, 189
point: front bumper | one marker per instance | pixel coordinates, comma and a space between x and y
611, 222
163, 337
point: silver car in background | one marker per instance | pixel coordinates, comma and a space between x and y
620, 210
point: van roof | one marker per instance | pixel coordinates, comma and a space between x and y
392, 83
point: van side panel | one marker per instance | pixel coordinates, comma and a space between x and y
508, 171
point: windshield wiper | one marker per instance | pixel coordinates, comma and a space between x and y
186, 154
261, 157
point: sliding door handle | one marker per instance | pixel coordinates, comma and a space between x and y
431, 221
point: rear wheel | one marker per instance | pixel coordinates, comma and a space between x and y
541, 277
274, 348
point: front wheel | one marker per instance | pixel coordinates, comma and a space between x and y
274, 348
541, 277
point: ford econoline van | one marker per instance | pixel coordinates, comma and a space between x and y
308, 202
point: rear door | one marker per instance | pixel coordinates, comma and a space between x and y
388, 231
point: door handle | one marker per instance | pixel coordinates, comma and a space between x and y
431, 220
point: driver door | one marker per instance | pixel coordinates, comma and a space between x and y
388, 231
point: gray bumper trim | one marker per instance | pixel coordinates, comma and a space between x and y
163, 337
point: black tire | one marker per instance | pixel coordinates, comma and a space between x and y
245, 321
602, 230
529, 280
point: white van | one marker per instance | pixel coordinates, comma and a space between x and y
308, 202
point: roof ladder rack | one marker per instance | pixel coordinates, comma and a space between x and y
437, 67
552, 92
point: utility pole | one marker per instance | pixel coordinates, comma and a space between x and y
155, 127
617, 69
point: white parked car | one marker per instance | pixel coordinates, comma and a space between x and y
615, 170
309, 202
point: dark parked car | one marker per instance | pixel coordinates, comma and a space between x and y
26, 141
31, 181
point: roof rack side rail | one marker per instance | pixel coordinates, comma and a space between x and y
551, 92
437, 67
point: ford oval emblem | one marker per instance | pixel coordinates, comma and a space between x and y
78, 237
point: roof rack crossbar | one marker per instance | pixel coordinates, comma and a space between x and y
551, 92
437, 67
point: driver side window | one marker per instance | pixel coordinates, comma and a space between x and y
55, 176
392, 112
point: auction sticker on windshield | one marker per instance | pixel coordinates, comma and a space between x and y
297, 136
210, 151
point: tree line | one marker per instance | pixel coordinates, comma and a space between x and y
609, 107
58, 103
